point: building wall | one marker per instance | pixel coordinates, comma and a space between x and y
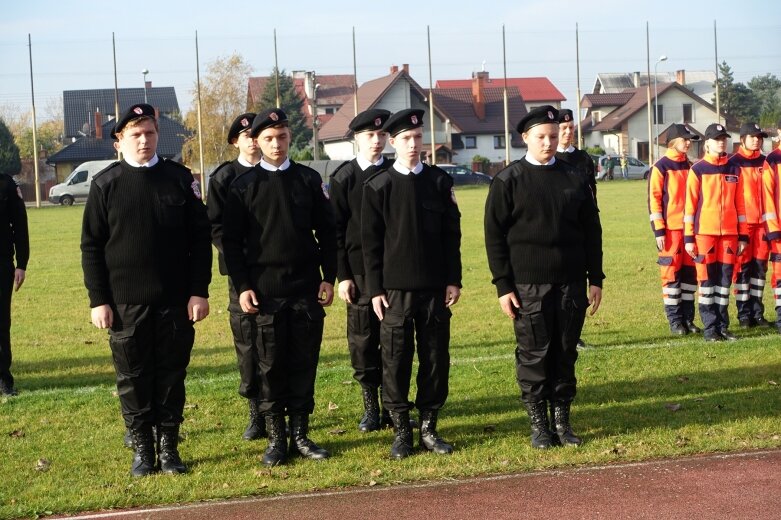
485, 147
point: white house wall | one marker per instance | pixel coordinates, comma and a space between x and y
485, 147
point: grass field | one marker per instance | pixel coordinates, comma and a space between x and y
642, 394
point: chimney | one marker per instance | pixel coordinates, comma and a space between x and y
405, 68
98, 124
636, 79
479, 80
147, 85
394, 69
680, 77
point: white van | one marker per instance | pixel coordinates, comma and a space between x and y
76, 186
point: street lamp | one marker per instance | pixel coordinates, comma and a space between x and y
145, 72
656, 104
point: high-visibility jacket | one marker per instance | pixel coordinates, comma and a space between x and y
714, 200
667, 192
750, 165
771, 180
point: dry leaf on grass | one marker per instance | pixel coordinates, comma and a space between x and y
332, 406
42, 465
16, 434
337, 431
772, 383
376, 473
673, 407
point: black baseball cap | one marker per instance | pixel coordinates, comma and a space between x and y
715, 131
678, 130
136, 111
752, 129
240, 124
538, 116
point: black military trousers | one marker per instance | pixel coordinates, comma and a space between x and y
151, 347
6, 289
363, 338
242, 325
411, 316
286, 341
547, 327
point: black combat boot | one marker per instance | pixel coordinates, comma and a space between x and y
276, 452
561, 421
370, 421
300, 443
256, 428
385, 419
127, 440
402, 444
541, 436
168, 450
429, 438
144, 451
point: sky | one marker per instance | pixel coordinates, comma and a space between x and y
72, 41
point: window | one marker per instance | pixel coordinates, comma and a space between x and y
596, 117
688, 113
470, 141
659, 119
498, 141
79, 177
330, 110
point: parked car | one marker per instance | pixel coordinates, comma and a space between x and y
637, 169
76, 185
463, 175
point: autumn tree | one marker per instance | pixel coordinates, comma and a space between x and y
292, 104
223, 97
10, 164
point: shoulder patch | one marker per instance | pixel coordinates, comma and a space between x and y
339, 169
378, 180
218, 168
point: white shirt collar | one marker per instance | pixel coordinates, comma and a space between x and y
244, 162
406, 171
569, 149
364, 162
154, 160
270, 167
535, 162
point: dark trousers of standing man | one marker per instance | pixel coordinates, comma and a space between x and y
363, 338
6, 289
242, 326
547, 327
151, 348
410, 314
286, 337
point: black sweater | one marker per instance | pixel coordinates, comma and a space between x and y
14, 237
411, 231
542, 226
219, 188
583, 162
145, 236
346, 189
267, 234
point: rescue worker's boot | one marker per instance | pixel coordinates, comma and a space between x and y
144, 451
429, 438
256, 428
168, 450
541, 436
562, 426
300, 443
370, 421
402, 443
276, 452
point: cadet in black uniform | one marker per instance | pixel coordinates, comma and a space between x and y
146, 256
240, 322
544, 240
363, 327
566, 150
411, 234
14, 242
275, 261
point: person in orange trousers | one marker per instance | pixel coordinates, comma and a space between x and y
771, 180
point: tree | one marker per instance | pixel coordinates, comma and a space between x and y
49, 139
223, 97
766, 89
10, 163
737, 101
292, 104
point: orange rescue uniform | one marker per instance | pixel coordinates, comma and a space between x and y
771, 180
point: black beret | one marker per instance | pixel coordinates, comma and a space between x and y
678, 130
372, 119
752, 129
239, 125
715, 130
565, 115
268, 118
538, 116
404, 120
134, 112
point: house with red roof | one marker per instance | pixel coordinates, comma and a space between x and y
534, 91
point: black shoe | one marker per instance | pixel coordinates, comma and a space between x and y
563, 429
712, 336
144, 452
168, 451
746, 323
541, 436
127, 440
762, 322
678, 329
7, 389
727, 335
256, 428
299, 441
693, 329
385, 419
276, 452
370, 421
429, 438
402, 443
